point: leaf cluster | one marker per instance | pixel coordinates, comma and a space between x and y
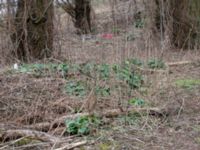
82, 125
156, 64
76, 88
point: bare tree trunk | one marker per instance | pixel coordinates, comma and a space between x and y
179, 17
83, 15
186, 23
81, 12
33, 36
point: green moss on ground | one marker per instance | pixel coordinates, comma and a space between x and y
187, 83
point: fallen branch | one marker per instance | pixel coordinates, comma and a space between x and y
179, 63
107, 113
168, 64
13, 134
150, 71
73, 145
44, 126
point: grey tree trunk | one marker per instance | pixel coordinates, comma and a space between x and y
81, 12
181, 19
33, 36
83, 15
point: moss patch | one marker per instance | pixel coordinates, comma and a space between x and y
26, 141
188, 83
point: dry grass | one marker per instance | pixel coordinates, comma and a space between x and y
26, 99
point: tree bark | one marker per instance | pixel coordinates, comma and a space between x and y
83, 15
33, 36
180, 18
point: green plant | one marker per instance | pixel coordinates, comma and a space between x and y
37, 69
130, 37
139, 23
82, 125
33, 68
103, 91
87, 69
72, 126
116, 68
63, 68
156, 64
134, 80
137, 102
76, 88
75, 68
126, 74
30, 68
130, 119
104, 71
136, 61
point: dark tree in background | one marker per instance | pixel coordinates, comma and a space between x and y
186, 19
81, 12
33, 34
180, 20
82, 15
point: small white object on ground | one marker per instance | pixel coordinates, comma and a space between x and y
16, 67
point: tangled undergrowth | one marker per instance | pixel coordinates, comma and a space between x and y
47, 99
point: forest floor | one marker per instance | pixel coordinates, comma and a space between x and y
146, 97
34, 94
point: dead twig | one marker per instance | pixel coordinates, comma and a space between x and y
179, 63
73, 145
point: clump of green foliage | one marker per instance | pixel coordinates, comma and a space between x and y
103, 91
136, 61
187, 83
82, 125
87, 69
139, 23
103, 71
130, 119
43, 69
76, 88
131, 37
156, 64
136, 101
63, 68
128, 75
74, 68
33, 68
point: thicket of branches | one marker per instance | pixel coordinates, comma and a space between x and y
29, 24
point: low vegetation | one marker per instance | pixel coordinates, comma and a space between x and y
103, 74
188, 83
